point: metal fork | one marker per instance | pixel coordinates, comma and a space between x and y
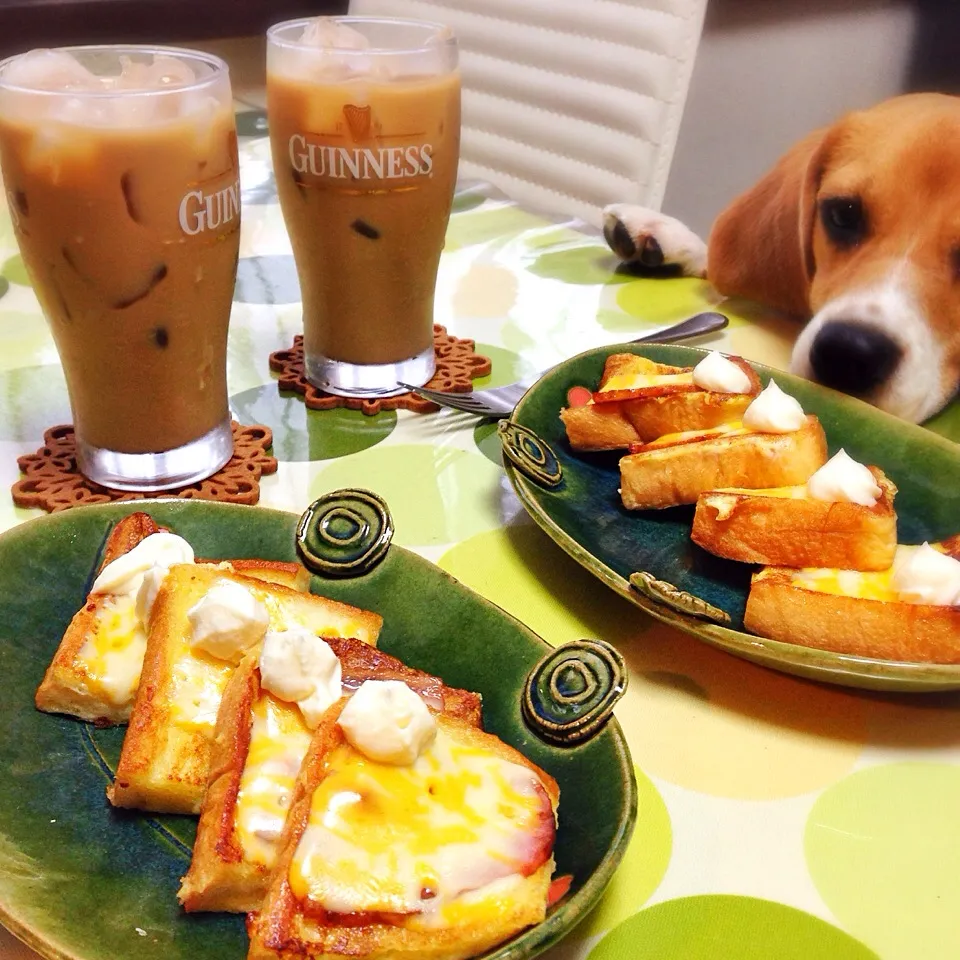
498, 402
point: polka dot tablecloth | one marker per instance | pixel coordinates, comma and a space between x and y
777, 818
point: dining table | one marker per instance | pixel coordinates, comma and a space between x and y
778, 817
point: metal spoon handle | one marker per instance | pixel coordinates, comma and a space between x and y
695, 326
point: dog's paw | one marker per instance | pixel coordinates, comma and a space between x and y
652, 239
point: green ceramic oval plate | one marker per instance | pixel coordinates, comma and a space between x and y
80, 880
585, 517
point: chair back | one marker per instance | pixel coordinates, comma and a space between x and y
568, 104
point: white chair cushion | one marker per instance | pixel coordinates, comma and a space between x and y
568, 104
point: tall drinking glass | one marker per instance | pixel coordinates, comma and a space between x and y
121, 174
364, 121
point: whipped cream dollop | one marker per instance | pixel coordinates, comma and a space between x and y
299, 667
925, 575
147, 594
227, 621
774, 411
844, 480
387, 722
715, 372
124, 577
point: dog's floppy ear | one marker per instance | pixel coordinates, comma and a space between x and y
761, 246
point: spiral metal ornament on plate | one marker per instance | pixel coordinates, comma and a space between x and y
571, 692
529, 454
345, 533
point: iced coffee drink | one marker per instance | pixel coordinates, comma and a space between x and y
364, 119
120, 170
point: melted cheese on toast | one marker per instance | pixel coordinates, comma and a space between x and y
863, 585
734, 429
111, 657
637, 381
725, 499
798, 492
279, 739
414, 839
196, 689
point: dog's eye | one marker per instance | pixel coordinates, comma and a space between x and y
844, 219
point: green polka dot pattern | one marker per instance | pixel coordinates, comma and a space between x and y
14, 271
302, 434
583, 265
487, 439
663, 301
433, 492
727, 927
876, 843
523, 572
643, 866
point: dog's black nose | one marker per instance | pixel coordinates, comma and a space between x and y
853, 357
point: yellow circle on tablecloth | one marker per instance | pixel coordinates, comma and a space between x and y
484, 290
719, 725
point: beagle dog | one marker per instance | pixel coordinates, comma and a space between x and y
856, 228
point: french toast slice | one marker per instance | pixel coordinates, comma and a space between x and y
440, 860
259, 745
676, 468
96, 669
639, 400
286, 573
165, 757
853, 612
786, 527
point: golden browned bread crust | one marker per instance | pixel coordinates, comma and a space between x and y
220, 877
67, 686
616, 424
359, 662
288, 574
165, 757
779, 609
284, 929
631, 364
126, 534
798, 532
671, 475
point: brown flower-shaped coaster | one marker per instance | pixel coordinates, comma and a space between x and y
52, 481
458, 365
